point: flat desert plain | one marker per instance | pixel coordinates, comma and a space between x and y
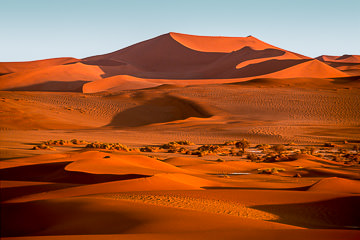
181, 137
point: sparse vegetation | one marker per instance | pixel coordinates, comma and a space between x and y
279, 148
242, 144
329, 145
253, 157
42, 146
270, 170
109, 146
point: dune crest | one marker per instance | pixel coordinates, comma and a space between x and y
338, 185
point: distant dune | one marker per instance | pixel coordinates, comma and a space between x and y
350, 64
175, 59
11, 67
51, 78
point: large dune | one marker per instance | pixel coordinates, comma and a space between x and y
171, 58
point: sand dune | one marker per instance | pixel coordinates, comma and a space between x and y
344, 58
177, 87
51, 78
12, 67
335, 184
117, 83
192, 57
160, 110
95, 163
349, 64
171, 58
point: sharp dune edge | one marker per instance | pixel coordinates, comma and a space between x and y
205, 93
171, 58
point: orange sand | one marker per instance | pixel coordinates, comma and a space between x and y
207, 90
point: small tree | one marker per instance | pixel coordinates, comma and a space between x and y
242, 144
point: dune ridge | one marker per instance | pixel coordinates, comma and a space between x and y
171, 58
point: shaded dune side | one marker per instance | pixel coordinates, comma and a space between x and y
11, 67
335, 184
160, 110
117, 83
340, 213
285, 82
344, 58
161, 57
349, 64
164, 58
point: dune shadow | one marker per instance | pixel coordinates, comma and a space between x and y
255, 188
55, 172
72, 217
16, 192
338, 213
53, 86
160, 110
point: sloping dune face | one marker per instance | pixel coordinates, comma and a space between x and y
180, 56
53, 76
160, 110
349, 64
11, 67
171, 58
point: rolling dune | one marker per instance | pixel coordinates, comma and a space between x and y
53, 76
180, 103
12, 67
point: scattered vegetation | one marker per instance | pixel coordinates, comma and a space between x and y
348, 154
270, 170
109, 146
279, 149
42, 146
242, 144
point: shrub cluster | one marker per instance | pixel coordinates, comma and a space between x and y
109, 146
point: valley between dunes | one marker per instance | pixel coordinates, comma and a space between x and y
118, 146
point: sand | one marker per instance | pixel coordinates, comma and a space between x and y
206, 90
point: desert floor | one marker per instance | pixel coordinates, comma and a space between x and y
70, 191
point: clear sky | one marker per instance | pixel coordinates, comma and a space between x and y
38, 29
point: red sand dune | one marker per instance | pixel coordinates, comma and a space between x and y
117, 83
344, 58
11, 67
338, 185
180, 56
51, 78
349, 64
171, 58
94, 162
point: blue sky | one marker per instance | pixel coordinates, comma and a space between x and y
38, 29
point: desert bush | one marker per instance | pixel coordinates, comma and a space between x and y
175, 144
42, 146
149, 149
263, 146
310, 150
210, 148
108, 146
279, 149
228, 143
356, 148
270, 170
242, 144
253, 157
329, 145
